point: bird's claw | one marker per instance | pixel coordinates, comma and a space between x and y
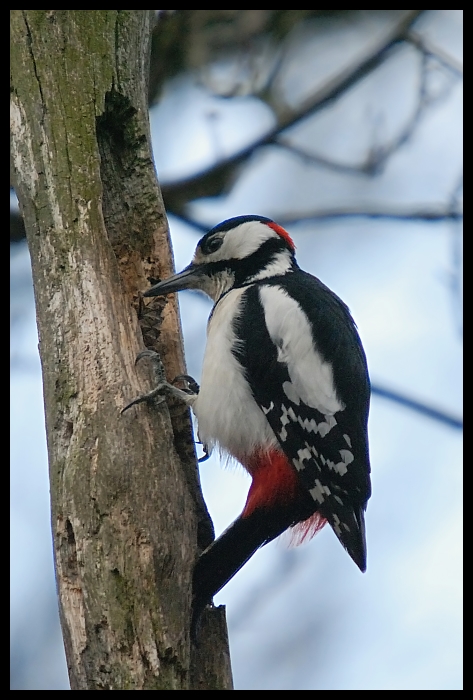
162, 386
149, 397
193, 387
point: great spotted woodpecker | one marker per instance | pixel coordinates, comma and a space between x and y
284, 390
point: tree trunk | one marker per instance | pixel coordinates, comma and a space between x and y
127, 514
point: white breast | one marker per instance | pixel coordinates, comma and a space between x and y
226, 411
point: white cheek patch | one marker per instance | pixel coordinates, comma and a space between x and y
290, 331
243, 240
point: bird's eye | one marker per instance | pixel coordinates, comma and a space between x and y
212, 244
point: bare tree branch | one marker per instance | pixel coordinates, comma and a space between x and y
314, 159
433, 214
377, 155
213, 180
422, 408
430, 49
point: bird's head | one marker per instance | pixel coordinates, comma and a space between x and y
238, 251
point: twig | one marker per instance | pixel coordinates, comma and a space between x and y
430, 49
439, 214
433, 214
422, 408
378, 156
314, 159
211, 180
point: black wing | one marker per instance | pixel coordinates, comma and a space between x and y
328, 451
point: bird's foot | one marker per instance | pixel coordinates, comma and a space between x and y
157, 396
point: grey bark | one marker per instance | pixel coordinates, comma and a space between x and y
127, 514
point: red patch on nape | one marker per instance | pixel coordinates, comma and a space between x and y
283, 233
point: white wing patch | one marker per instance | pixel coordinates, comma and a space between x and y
290, 390
310, 426
290, 331
319, 492
342, 467
305, 454
336, 521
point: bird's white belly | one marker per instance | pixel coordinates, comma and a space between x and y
226, 412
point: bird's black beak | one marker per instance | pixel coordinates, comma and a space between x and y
187, 279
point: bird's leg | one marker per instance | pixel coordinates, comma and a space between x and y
193, 390
163, 387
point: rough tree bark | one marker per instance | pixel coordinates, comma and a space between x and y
127, 513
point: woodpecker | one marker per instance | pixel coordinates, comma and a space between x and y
284, 390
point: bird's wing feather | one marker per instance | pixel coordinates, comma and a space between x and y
317, 422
